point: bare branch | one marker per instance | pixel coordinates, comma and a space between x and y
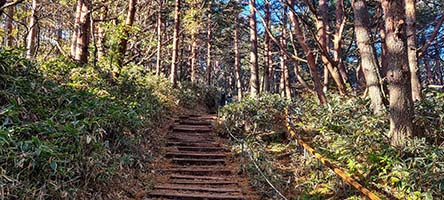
432, 37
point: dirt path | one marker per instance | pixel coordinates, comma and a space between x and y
197, 164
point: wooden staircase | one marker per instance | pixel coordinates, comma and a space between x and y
198, 165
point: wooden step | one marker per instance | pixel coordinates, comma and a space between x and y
194, 188
194, 140
197, 161
190, 134
203, 182
194, 122
194, 154
198, 149
181, 176
194, 144
191, 138
199, 170
189, 128
183, 195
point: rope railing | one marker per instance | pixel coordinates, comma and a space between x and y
251, 153
330, 165
307, 149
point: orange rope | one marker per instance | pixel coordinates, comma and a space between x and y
335, 169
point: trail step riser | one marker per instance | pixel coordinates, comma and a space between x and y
198, 165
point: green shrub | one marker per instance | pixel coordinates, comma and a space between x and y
64, 128
254, 115
346, 131
193, 95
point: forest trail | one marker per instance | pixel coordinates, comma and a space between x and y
197, 164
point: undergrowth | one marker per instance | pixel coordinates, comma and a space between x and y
256, 127
348, 134
192, 96
65, 129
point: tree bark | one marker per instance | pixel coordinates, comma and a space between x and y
326, 79
30, 41
75, 33
82, 43
159, 38
296, 67
128, 24
10, 27
282, 63
173, 74
193, 57
337, 41
369, 63
362, 83
322, 26
410, 12
101, 36
268, 59
237, 60
287, 82
209, 48
254, 69
309, 54
430, 77
285, 71
439, 70
398, 73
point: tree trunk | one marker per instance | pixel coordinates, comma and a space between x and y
360, 79
410, 12
382, 35
30, 41
282, 75
398, 73
81, 54
10, 27
209, 48
254, 70
430, 77
287, 82
322, 26
326, 79
296, 67
439, 70
128, 24
75, 33
237, 60
173, 74
309, 54
101, 37
368, 60
193, 57
268, 61
285, 71
159, 39
59, 36
337, 41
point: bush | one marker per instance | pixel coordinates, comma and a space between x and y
194, 95
254, 115
346, 131
64, 128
